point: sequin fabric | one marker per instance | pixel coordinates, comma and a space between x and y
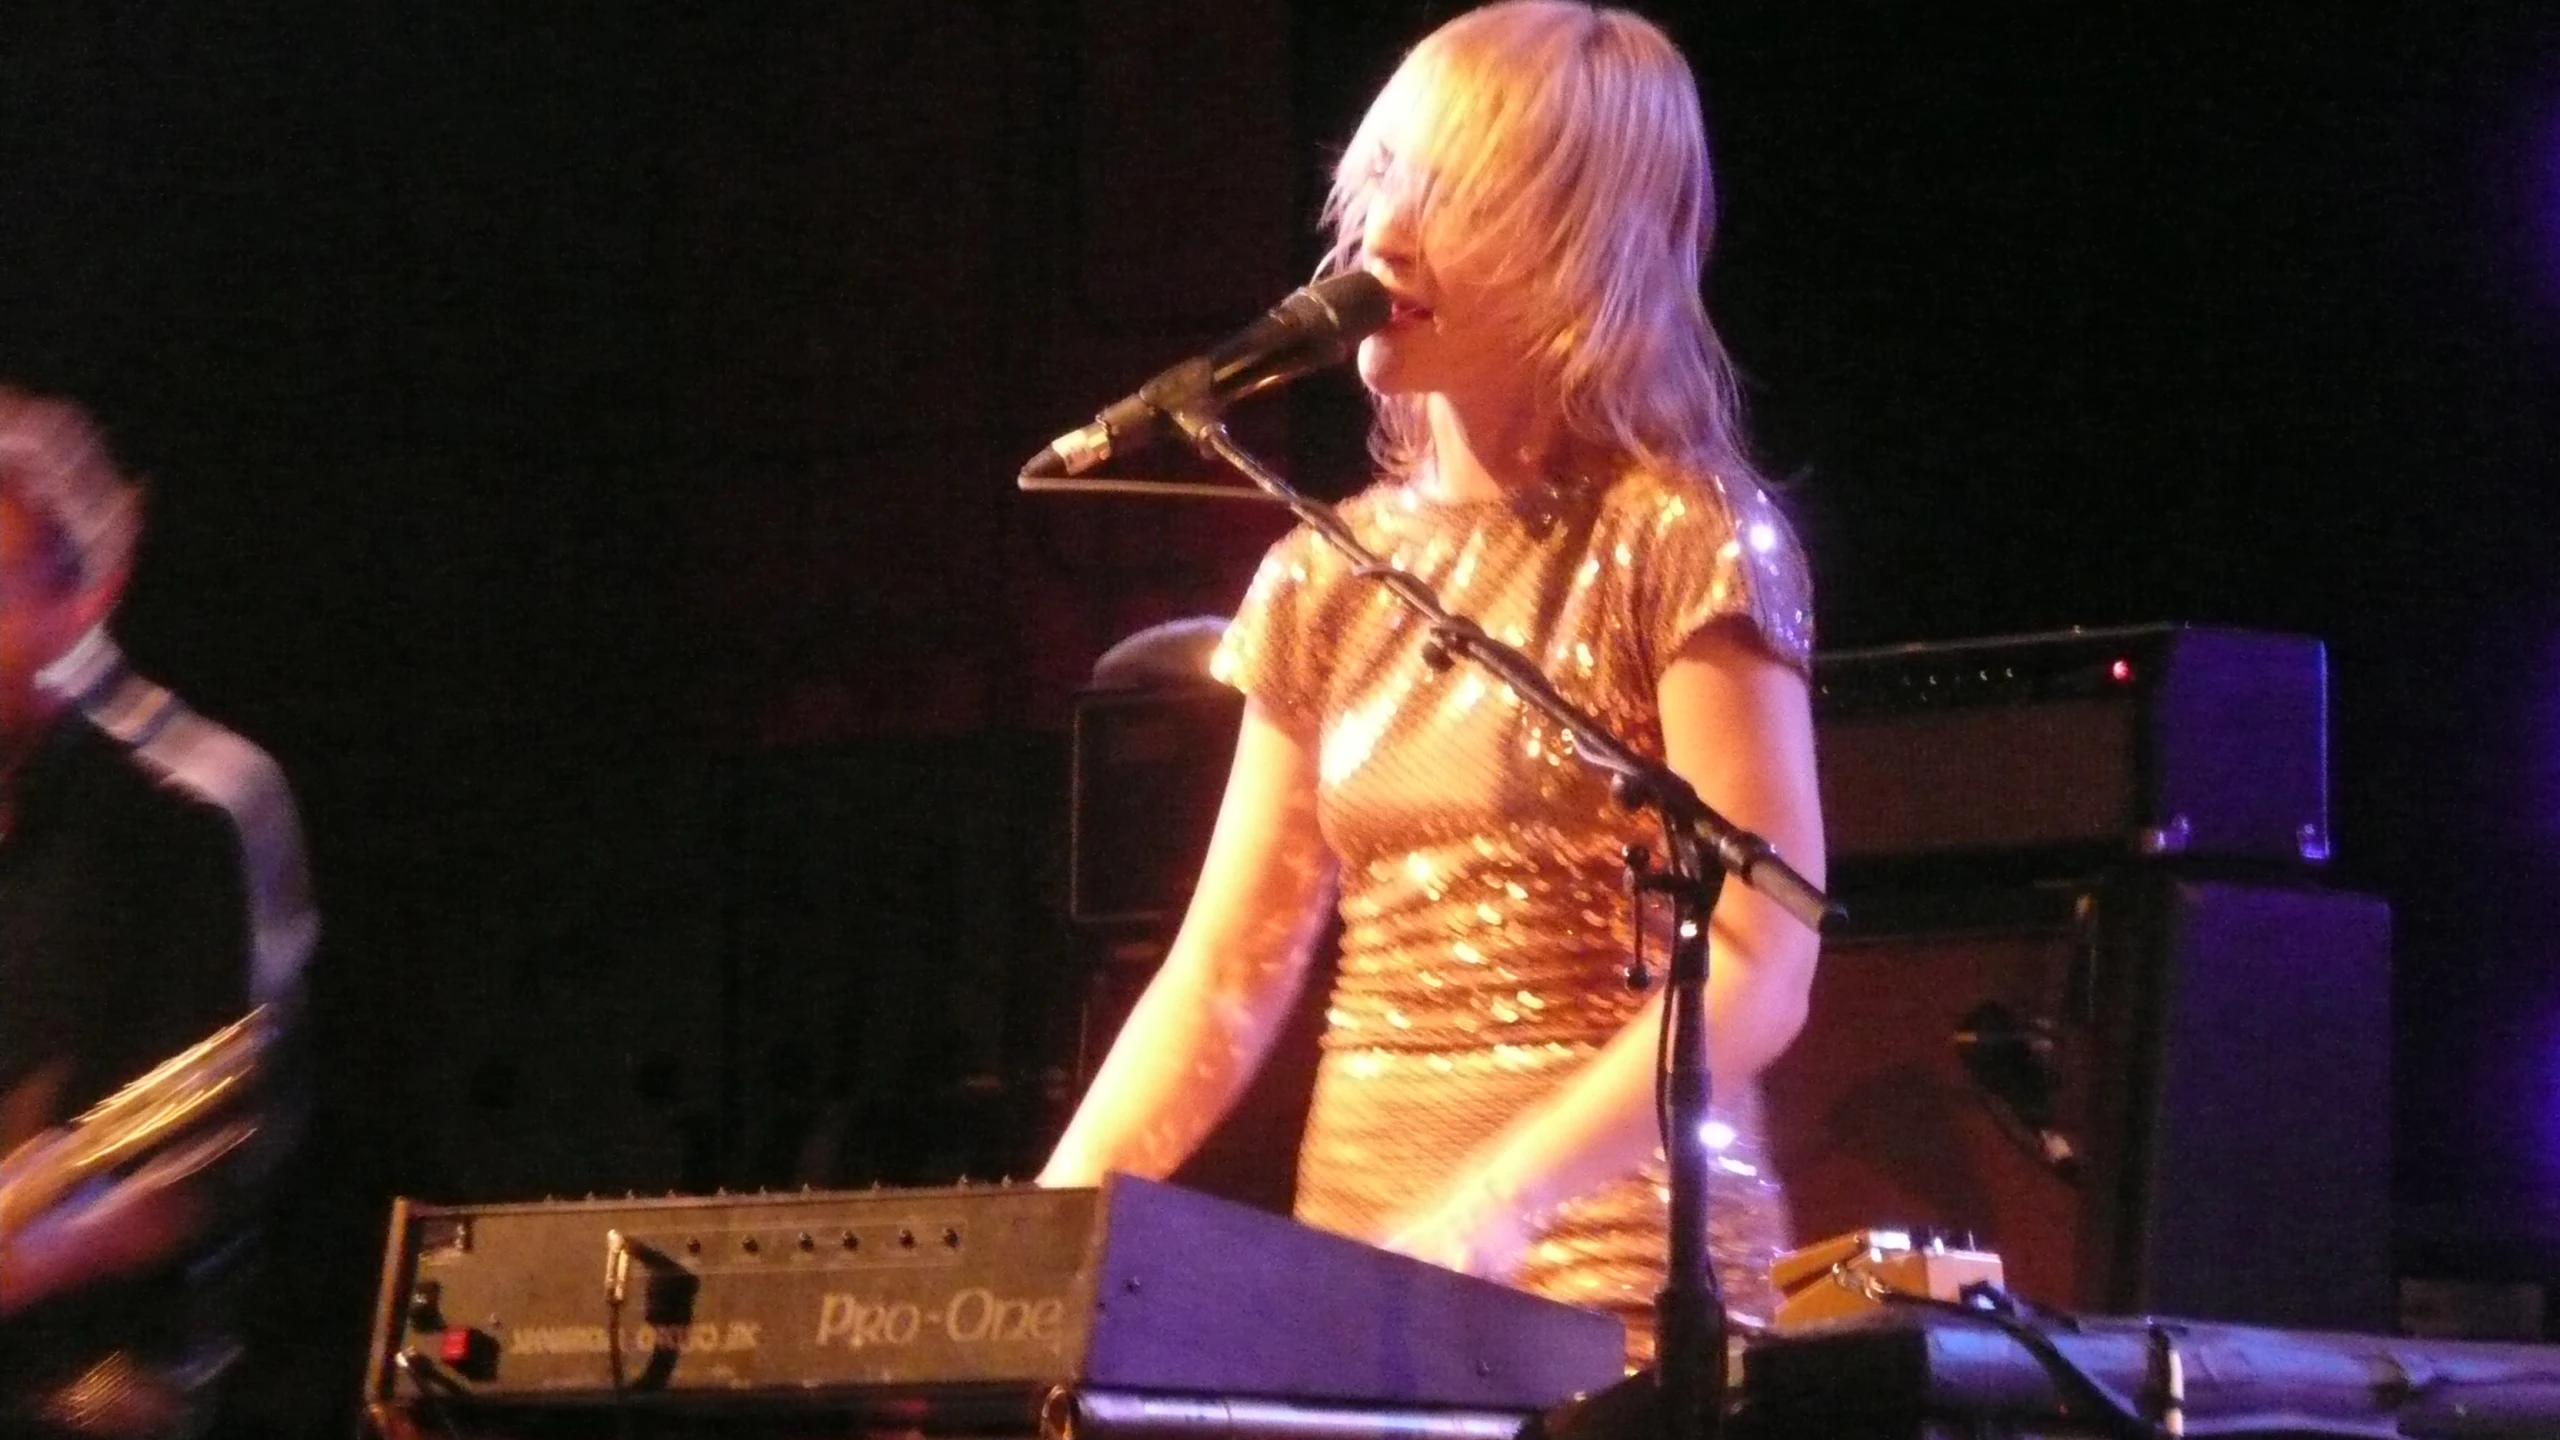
1484, 925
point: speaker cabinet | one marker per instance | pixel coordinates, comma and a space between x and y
1149, 768
2148, 1094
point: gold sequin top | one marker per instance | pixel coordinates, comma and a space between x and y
1484, 926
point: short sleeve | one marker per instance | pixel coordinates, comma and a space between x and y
1717, 550
1264, 652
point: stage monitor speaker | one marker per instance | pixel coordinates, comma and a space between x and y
2148, 1093
1149, 769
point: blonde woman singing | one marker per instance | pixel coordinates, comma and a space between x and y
1561, 458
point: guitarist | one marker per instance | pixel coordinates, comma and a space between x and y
152, 890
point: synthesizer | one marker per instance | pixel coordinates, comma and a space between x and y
982, 1299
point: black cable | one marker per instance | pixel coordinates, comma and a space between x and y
431, 1403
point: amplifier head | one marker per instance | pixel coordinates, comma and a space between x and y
2055, 751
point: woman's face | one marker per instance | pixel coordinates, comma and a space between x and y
1446, 335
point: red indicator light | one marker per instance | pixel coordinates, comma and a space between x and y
2121, 672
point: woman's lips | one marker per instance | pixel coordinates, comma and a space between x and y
1406, 312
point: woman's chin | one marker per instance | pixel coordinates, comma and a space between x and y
1385, 372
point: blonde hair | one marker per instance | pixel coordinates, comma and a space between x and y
1560, 152
54, 462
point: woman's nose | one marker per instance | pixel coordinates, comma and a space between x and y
1391, 230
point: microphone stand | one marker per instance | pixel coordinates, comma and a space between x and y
1703, 848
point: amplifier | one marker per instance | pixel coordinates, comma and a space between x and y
2159, 742
1149, 768
979, 1302
2151, 1092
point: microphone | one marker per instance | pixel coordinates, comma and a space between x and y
1316, 326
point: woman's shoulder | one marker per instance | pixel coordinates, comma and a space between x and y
1705, 503
1302, 560
1380, 514
1701, 543
1300, 545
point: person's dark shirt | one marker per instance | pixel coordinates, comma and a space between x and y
122, 928
152, 890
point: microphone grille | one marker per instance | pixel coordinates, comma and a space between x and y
1354, 303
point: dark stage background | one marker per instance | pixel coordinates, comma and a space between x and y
582, 445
